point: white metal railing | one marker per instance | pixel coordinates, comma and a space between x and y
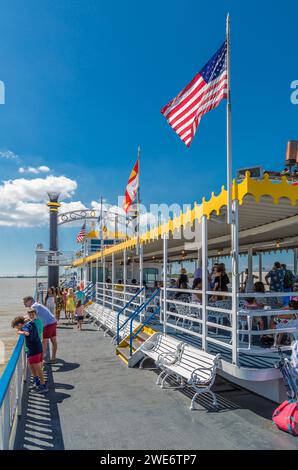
190, 313
285, 321
116, 296
210, 321
11, 391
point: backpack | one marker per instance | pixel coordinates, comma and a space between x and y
286, 417
288, 279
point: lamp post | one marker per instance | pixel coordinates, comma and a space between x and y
53, 268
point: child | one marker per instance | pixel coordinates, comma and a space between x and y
80, 314
70, 305
34, 350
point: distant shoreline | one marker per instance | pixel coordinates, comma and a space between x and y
22, 277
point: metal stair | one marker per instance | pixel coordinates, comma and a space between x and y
123, 349
128, 349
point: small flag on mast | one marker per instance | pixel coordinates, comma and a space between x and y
201, 95
132, 187
82, 233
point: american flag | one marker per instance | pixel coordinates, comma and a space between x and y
82, 233
202, 94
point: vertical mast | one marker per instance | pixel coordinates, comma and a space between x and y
229, 136
138, 202
101, 228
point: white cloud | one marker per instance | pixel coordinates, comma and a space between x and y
23, 201
33, 170
9, 155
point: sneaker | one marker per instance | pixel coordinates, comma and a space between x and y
42, 389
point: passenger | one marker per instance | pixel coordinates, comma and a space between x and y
70, 305
79, 314
197, 285
50, 300
221, 281
251, 304
289, 280
49, 325
80, 295
247, 287
34, 350
275, 278
284, 338
65, 293
59, 303
295, 289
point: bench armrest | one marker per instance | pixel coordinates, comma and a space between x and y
195, 378
166, 359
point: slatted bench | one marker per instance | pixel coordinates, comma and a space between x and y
158, 346
195, 369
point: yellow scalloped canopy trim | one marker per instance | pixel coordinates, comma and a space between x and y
257, 188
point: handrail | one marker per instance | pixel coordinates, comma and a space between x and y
146, 322
10, 368
11, 394
122, 310
136, 313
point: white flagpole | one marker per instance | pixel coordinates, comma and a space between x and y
138, 202
229, 129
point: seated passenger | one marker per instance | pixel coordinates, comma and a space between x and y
251, 304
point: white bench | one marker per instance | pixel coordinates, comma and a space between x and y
195, 369
159, 345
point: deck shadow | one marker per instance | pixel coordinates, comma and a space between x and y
39, 427
62, 366
229, 396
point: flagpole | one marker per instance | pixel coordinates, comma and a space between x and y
138, 201
229, 129
101, 229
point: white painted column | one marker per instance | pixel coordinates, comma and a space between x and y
104, 278
141, 265
260, 267
295, 260
249, 284
235, 279
204, 228
165, 267
113, 278
124, 276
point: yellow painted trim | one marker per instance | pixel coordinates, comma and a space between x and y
53, 210
256, 188
57, 204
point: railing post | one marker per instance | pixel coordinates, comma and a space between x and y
124, 276
141, 268
260, 267
205, 282
235, 279
104, 280
295, 260
113, 278
165, 266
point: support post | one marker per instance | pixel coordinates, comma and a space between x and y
103, 279
295, 260
113, 278
165, 268
53, 270
235, 279
249, 284
260, 267
204, 228
124, 276
141, 268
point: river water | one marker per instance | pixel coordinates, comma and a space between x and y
12, 292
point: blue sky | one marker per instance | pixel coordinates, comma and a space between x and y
86, 79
